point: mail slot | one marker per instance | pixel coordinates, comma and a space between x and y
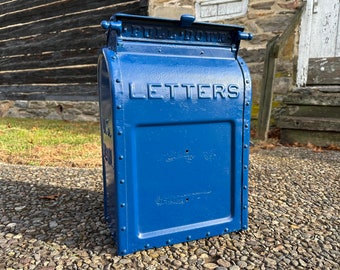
175, 104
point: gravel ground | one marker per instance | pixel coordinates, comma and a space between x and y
52, 218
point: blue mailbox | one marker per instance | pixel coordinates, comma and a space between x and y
175, 103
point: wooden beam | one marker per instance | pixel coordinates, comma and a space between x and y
318, 96
266, 95
319, 138
310, 123
273, 49
324, 71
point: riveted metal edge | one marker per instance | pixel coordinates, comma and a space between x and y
119, 155
246, 141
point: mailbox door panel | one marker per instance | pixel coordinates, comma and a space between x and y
182, 129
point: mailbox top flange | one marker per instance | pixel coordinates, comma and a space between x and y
126, 27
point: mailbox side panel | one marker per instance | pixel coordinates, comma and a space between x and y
105, 102
113, 146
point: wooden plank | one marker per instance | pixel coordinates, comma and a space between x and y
79, 92
304, 44
70, 20
71, 74
319, 138
49, 47
50, 59
53, 8
55, 42
312, 111
266, 95
22, 4
325, 71
309, 123
325, 96
91, 37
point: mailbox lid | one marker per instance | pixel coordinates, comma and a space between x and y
124, 27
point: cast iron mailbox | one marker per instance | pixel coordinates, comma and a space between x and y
175, 124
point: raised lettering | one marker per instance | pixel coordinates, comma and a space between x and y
219, 89
198, 35
147, 32
172, 89
188, 87
135, 29
233, 91
159, 33
184, 90
133, 94
188, 34
171, 33
152, 91
201, 92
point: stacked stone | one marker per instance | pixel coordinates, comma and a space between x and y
54, 110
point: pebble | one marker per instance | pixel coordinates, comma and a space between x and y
302, 263
210, 265
234, 267
270, 262
223, 263
242, 264
53, 224
293, 197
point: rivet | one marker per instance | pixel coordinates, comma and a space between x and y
247, 103
123, 229
121, 157
226, 230
168, 242
117, 80
207, 234
244, 207
147, 246
244, 226
244, 187
188, 237
245, 146
119, 107
122, 205
122, 181
124, 251
246, 125
247, 81
245, 167
120, 132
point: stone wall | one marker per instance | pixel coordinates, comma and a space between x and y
265, 19
56, 110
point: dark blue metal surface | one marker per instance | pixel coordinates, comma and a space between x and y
175, 121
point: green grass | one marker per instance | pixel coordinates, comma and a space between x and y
49, 142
